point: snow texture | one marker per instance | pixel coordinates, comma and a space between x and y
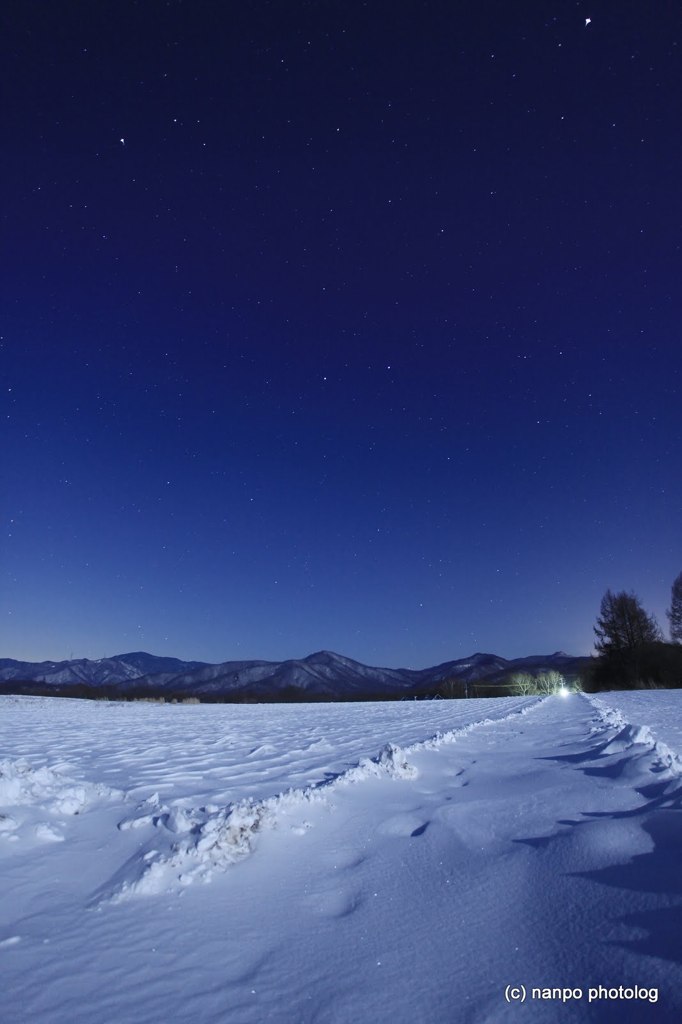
403, 862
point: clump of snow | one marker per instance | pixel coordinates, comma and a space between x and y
607, 717
629, 736
7, 823
48, 833
209, 839
667, 759
22, 784
390, 762
49, 785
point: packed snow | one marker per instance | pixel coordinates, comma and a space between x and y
407, 862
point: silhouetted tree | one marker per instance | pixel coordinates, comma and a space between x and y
627, 638
675, 611
623, 625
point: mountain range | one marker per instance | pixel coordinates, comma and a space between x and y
319, 676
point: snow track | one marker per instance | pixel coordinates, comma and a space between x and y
630, 733
207, 839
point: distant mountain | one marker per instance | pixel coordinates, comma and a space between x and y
319, 676
116, 670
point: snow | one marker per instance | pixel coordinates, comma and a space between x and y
404, 862
660, 709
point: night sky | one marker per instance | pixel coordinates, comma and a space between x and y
337, 325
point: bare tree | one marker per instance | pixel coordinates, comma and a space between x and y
523, 684
549, 683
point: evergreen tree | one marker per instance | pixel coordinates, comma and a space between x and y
623, 626
675, 611
628, 641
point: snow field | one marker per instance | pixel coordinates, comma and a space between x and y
402, 863
189, 842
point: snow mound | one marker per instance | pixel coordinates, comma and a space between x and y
391, 762
48, 833
7, 823
49, 785
198, 842
630, 734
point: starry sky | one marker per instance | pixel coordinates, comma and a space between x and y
337, 325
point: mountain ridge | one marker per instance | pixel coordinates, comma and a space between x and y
322, 675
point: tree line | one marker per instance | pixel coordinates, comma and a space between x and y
631, 650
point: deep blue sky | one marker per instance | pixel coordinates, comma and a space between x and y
337, 325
